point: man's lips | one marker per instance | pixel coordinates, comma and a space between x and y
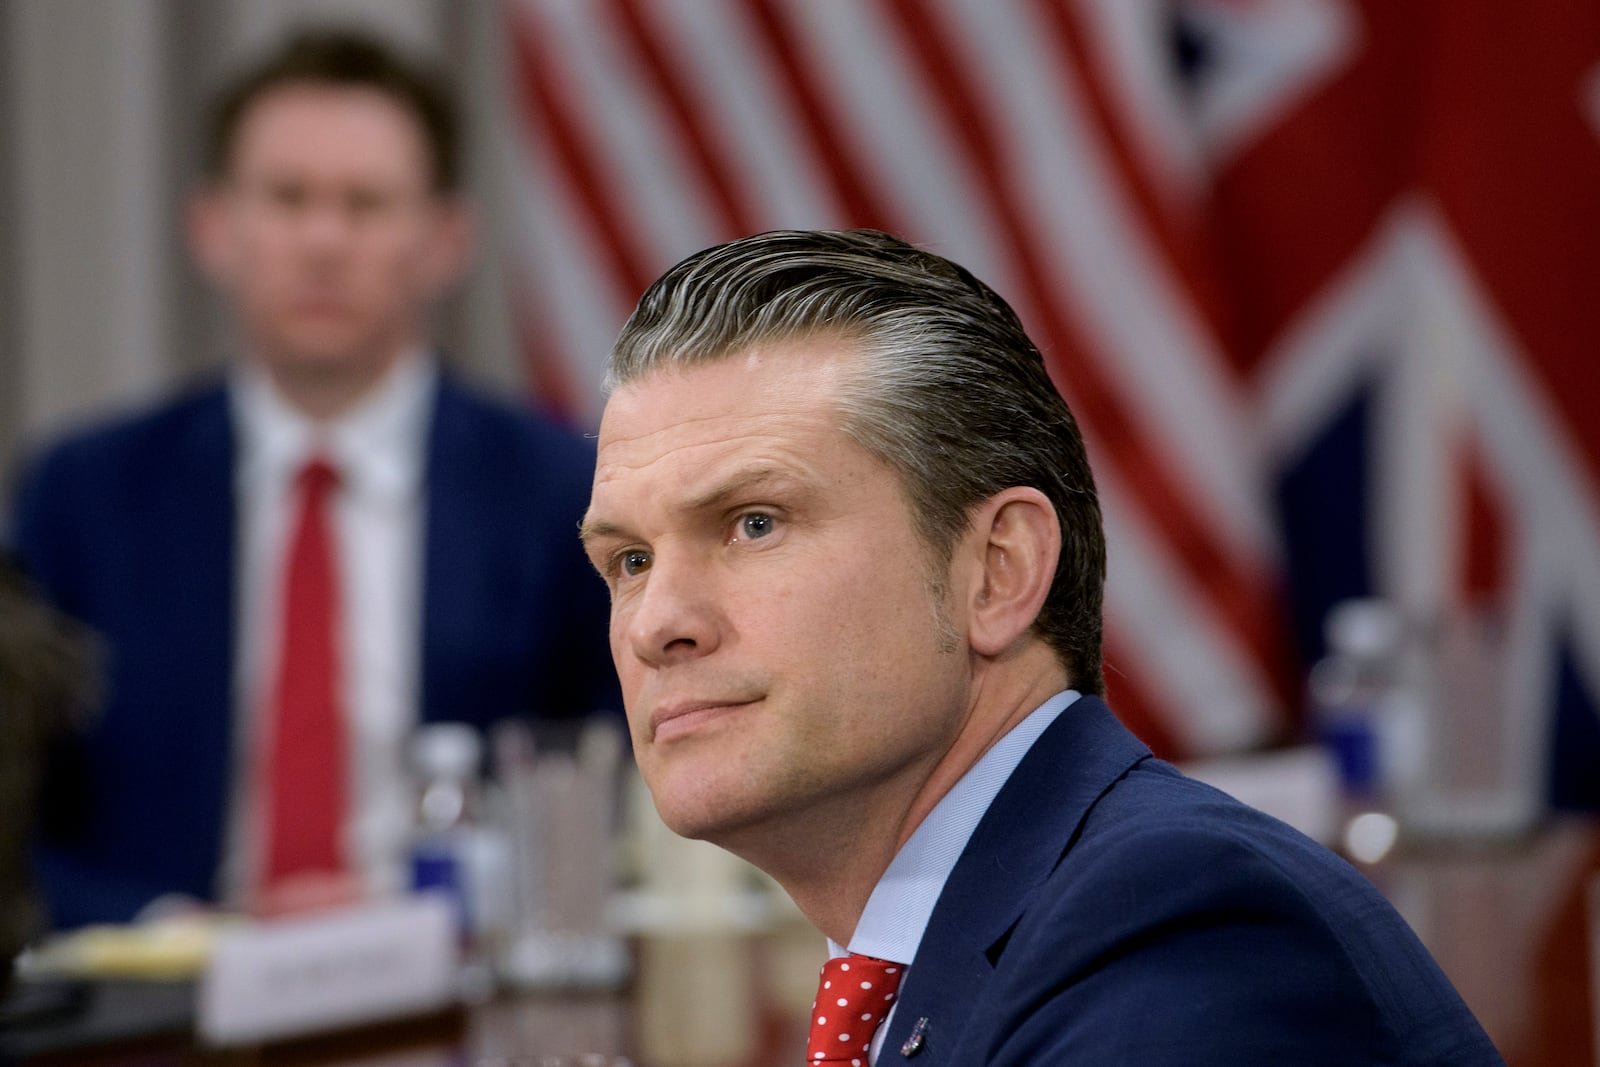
673, 720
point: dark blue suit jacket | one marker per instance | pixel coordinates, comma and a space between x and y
130, 527
1110, 911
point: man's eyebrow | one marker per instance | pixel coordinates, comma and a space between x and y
741, 484
594, 529
722, 495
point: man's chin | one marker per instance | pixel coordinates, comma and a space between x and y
328, 360
692, 822
703, 813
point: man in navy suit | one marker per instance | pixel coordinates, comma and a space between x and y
856, 562
331, 222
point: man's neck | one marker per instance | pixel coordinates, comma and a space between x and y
1005, 691
324, 394
829, 858
829, 861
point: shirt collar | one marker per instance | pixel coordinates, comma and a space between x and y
897, 913
378, 445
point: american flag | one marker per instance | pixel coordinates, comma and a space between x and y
1318, 277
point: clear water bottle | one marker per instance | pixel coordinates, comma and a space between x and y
1365, 711
1349, 686
446, 757
458, 848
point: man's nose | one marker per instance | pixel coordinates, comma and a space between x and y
675, 617
327, 224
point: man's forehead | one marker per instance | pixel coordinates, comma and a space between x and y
758, 383
706, 447
299, 121
680, 433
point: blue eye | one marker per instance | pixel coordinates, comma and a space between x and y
633, 563
756, 524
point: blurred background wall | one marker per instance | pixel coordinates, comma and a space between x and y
1318, 276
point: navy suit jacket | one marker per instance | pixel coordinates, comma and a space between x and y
1108, 910
130, 527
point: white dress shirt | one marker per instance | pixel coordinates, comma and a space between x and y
897, 912
379, 448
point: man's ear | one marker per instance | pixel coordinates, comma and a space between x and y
1019, 539
205, 227
454, 241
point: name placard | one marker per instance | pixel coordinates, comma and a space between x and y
289, 977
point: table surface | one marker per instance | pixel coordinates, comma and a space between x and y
1508, 922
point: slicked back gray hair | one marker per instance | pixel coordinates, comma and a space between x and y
951, 392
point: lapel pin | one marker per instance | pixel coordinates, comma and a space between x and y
919, 1034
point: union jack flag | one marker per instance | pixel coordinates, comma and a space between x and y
1318, 277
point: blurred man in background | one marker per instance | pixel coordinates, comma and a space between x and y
294, 567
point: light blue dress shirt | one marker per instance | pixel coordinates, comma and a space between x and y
897, 913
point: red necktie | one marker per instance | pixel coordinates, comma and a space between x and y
306, 761
853, 999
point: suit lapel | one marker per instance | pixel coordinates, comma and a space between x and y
201, 504
1021, 839
464, 587
448, 506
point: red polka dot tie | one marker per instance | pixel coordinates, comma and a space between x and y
853, 1000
